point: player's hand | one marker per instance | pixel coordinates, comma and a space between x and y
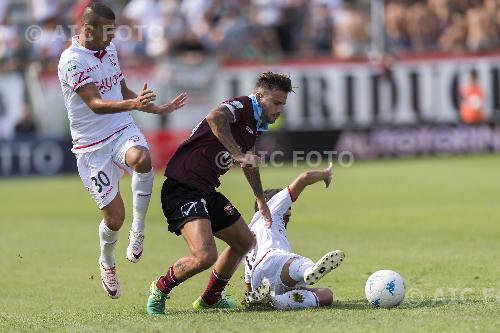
177, 103
328, 175
145, 98
248, 160
264, 211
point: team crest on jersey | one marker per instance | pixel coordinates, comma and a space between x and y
113, 60
229, 209
134, 139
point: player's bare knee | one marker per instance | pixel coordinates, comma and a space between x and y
114, 222
139, 160
325, 296
144, 163
114, 219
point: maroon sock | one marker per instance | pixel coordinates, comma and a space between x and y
216, 285
167, 282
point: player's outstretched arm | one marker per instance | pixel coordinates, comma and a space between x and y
91, 96
308, 178
177, 103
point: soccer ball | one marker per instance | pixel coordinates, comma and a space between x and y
385, 289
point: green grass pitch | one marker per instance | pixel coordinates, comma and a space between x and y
436, 221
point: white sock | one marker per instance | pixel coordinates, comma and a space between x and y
298, 268
107, 241
295, 299
142, 186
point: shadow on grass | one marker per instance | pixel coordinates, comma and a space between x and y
362, 304
356, 304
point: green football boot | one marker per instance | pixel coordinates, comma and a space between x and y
156, 300
225, 302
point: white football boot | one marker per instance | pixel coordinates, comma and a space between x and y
259, 297
326, 264
109, 281
134, 249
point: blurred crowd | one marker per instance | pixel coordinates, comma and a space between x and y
442, 25
264, 30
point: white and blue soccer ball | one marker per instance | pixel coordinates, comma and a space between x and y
385, 289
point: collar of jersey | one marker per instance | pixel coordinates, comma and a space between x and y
77, 44
257, 114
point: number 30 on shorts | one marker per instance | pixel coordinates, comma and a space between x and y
100, 181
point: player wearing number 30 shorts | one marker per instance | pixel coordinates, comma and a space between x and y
101, 169
106, 140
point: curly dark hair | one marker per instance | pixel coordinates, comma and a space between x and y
268, 194
271, 81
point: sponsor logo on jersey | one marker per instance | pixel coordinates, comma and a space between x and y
108, 83
249, 130
107, 192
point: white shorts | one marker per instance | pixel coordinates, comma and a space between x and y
100, 170
268, 271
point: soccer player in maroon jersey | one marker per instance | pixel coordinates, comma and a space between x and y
195, 210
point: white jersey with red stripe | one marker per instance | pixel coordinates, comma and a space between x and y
269, 239
79, 66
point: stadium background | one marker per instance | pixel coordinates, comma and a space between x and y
373, 78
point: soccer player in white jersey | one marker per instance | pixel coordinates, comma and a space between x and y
276, 276
106, 140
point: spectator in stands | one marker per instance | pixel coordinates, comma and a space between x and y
441, 11
351, 38
47, 47
318, 31
156, 24
453, 39
481, 33
13, 55
396, 35
4, 6
472, 105
422, 27
26, 126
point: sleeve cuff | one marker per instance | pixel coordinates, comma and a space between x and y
79, 84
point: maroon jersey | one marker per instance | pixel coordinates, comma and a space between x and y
202, 159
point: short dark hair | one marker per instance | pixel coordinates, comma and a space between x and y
94, 10
268, 194
271, 81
